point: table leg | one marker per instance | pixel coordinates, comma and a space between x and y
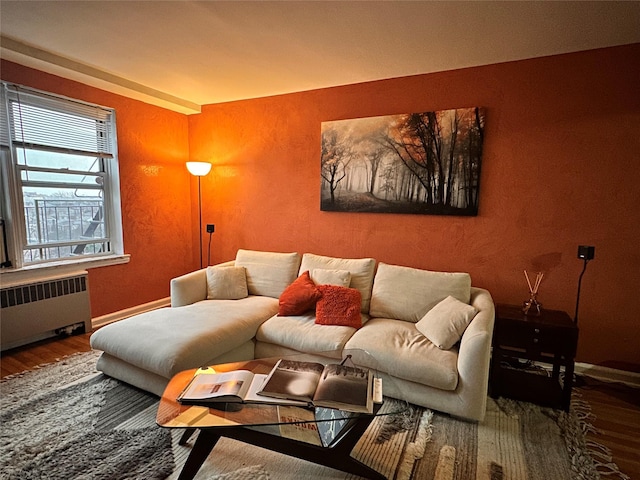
557, 359
337, 457
205, 442
186, 436
568, 385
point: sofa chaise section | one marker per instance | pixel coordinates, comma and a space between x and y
146, 350
166, 341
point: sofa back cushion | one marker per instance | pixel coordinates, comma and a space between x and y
268, 273
361, 269
406, 293
324, 276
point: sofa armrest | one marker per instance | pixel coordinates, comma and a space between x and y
474, 355
191, 287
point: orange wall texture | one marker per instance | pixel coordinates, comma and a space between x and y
155, 194
560, 169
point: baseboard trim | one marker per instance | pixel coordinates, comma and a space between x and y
608, 374
103, 320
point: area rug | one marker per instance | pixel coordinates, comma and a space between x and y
67, 421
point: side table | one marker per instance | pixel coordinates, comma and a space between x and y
550, 338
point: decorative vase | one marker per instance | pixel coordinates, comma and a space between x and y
532, 306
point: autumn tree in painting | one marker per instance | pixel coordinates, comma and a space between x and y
335, 159
417, 163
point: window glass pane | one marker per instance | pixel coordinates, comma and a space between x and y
62, 215
88, 180
37, 254
39, 158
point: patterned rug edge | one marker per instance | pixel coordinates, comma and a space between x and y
598, 453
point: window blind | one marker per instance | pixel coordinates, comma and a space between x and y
39, 121
4, 123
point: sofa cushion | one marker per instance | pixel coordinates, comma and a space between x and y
361, 269
299, 297
301, 333
408, 293
168, 340
339, 306
325, 276
445, 323
397, 348
226, 283
268, 273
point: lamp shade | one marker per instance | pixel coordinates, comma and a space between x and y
199, 169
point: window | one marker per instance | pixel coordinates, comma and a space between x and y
61, 198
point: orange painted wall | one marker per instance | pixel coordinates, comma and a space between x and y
155, 194
560, 169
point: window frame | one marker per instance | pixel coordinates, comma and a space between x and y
12, 208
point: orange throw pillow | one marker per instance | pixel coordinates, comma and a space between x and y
339, 306
299, 297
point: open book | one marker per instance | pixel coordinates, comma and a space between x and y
238, 386
334, 386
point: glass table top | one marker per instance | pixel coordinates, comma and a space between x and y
318, 425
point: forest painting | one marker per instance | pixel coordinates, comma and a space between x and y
423, 163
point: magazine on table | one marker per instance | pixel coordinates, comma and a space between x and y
338, 386
238, 386
298, 424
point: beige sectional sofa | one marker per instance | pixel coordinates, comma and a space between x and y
428, 333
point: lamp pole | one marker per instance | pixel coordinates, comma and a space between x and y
586, 253
200, 217
199, 169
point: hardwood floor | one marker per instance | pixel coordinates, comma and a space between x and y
46, 351
616, 407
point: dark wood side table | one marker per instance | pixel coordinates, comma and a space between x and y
550, 338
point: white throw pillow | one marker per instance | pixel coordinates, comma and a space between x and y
323, 276
226, 283
445, 323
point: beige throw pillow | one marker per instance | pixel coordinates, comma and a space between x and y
226, 283
406, 293
323, 276
445, 323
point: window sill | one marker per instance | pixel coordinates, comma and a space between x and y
49, 271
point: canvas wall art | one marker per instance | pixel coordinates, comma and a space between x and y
422, 163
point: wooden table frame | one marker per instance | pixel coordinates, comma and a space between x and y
337, 456
550, 338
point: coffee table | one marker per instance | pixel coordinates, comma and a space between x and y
319, 435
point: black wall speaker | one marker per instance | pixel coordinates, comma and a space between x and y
586, 252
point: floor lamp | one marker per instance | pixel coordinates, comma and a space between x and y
199, 169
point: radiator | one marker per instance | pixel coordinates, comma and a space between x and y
36, 311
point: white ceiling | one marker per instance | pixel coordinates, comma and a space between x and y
184, 54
